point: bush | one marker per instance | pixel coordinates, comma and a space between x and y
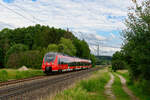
1, 58
14, 61
15, 49
31, 59
3, 75
118, 61
19, 75
93, 59
117, 64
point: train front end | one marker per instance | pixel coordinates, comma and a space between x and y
49, 63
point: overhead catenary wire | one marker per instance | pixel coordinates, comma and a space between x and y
17, 13
26, 12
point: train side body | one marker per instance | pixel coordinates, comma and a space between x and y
55, 62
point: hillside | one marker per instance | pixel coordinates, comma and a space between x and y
103, 60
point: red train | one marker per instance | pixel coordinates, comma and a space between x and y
56, 62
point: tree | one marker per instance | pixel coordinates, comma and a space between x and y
31, 59
16, 48
1, 58
82, 48
118, 61
51, 48
66, 46
137, 41
39, 38
93, 59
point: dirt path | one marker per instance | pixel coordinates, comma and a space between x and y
125, 88
108, 90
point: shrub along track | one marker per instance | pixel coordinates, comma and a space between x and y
27, 90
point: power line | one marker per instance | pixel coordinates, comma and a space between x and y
9, 25
17, 13
26, 12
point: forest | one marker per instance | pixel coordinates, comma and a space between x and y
135, 51
103, 60
27, 45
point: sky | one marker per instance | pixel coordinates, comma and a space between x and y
99, 22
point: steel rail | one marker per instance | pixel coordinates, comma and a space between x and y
5, 94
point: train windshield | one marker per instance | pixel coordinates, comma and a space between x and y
49, 58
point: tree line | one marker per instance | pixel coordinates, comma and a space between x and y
27, 45
103, 60
135, 52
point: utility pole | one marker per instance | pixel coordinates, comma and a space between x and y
101, 42
67, 29
98, 50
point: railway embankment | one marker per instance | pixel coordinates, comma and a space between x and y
102, 85
91, 88
38, 88
92, 84
15, 74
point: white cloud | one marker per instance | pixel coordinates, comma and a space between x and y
112, 35
61, 13
4, 25
86, 16
103, 50
93, 39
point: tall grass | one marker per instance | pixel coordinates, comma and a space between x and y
117, 89
3, 75
89, 89
10, 74
137, 88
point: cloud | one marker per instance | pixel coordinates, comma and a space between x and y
103, 50
5, 25
112, 35
87, 16
8, 1
94, 40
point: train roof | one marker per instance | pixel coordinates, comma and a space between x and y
55, 53
67, 56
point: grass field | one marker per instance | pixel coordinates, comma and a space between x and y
136, 88
11, 74
89, 89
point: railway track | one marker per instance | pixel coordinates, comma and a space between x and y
10, 92
19, 81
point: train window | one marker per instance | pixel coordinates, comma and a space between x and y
78, 63
49, 58
75, 63
71, 64
59, 61
84, 64
63, 60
